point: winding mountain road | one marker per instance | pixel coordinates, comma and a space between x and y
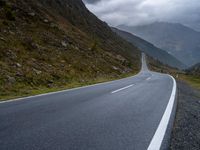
127, 114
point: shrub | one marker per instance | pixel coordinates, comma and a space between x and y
2, 3
94, 46
10, 15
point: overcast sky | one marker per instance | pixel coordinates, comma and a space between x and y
139, 12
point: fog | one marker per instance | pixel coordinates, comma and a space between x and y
139, 12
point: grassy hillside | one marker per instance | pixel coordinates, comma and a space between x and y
194, 70
192, 75
75, 12
156, 65
189, 77
55, 44
150, 49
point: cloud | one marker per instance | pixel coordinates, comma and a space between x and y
138, 12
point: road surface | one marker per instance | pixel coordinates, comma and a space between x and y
127, 114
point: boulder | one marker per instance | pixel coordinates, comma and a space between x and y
11, 80
46, 21
18, 65
32, 14
2, 39
38, 72
64, 44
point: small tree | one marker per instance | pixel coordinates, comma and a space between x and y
94, 46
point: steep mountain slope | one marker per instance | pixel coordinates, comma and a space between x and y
91, 1
180, 41
194, 70
78, 15
150, 49
57, 43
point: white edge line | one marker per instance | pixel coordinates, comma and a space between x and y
62, 91
158, 137
126, 87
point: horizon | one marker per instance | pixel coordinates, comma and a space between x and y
137, 13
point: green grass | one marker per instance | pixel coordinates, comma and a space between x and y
194, 81
30, 91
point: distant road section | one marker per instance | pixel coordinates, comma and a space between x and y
127, 114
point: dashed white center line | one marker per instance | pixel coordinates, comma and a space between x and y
122, 89
148, 78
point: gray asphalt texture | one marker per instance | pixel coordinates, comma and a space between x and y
186, 131
90, 118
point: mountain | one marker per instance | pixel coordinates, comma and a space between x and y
150, 49
75, 12
194, 70
58, 43
178, 40
91, 1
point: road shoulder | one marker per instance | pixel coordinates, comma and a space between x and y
185, 134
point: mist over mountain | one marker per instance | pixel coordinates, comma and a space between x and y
150, 49
142, 12
178, 40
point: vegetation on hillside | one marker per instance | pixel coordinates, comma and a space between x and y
194, 70
42, 50
191, 76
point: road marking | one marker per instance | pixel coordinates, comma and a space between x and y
62, 91
158, 137
148, 78
122, 89
67, 90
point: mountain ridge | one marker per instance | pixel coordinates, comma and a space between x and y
150, 49
175, 38
89, 23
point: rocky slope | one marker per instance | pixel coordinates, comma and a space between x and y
57, 43
150, 49
194, 70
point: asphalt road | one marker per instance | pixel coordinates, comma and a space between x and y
119, 115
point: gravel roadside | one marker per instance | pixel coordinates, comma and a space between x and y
186, 131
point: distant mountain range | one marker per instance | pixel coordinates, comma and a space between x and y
178, 40
150, 49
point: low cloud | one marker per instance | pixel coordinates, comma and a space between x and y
139, 12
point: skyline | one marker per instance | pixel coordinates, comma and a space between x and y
142, 12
